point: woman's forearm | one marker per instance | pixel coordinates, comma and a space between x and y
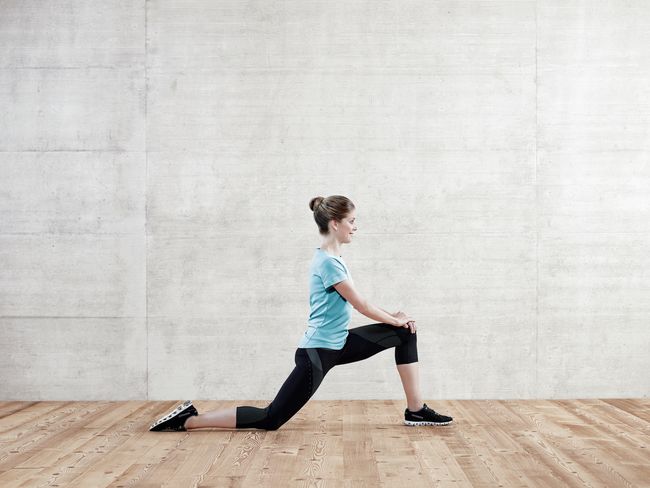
376, 313
392, 315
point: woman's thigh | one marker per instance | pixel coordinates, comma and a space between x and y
368, 340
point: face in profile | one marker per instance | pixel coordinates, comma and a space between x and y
346, 228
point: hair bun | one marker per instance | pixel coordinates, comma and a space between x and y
315, 202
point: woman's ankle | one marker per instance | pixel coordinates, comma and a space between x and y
417, 409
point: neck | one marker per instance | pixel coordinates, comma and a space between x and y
331, 246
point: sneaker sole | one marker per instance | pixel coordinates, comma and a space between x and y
411, 422
183, 406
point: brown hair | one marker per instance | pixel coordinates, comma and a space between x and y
334, 207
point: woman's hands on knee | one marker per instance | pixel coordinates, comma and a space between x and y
405, 321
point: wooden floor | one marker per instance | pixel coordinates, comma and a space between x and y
561, 443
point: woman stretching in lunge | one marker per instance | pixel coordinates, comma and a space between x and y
327, 341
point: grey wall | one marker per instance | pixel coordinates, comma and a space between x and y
158, 157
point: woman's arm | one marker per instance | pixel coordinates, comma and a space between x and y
379, 314
391, 314
347, 291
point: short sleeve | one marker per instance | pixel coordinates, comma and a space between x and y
332, 272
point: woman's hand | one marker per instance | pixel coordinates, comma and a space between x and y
405, 321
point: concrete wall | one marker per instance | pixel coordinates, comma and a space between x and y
158, 157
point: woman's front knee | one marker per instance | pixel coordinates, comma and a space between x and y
406, 333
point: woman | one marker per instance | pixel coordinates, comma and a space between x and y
327, 342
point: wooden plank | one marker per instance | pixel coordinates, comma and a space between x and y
639, 407
359, 461
25, 417
572, 460
16, 477
156, 463
29, 437
64, 442
90, 454
10, 408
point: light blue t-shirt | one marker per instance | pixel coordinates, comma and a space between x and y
329, 311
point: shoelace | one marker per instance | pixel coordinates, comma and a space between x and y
423, 409
426, 408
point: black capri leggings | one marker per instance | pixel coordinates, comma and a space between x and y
312, 364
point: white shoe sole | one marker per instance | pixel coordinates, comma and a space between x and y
183, 406
411, 422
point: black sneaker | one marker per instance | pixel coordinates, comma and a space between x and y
175, 419
425, 416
